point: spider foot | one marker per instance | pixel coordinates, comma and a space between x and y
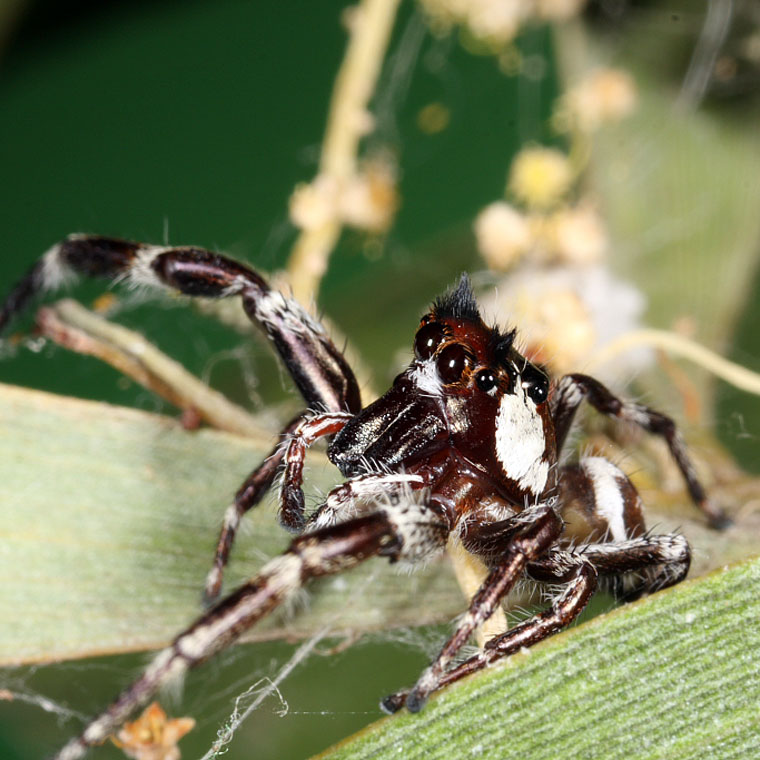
415, 701
393, 703
718, 519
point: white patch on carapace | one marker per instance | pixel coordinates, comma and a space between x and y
425, 377
520, 442
55, 272
610, 504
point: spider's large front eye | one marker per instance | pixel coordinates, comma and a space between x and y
428, 339
536, 384
486, 380
451, 363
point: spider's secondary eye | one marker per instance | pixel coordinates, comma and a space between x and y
486, 380
428, 339
536, 384
451, 363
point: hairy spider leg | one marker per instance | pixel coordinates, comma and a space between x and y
654, 561
528, 543
598, 503
394, 531
572, 389
317, 367
329, 551
298, 434
580, 583
578, 570
307, 432
247, 497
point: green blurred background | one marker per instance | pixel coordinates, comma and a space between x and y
191, 122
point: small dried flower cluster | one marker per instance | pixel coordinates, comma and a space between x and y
606, 95
567, 313
496, 22
503, 235
153, 736
539, 177
367, 200
566, 303
548, 228
560, 246
545, 225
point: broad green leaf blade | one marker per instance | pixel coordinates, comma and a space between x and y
674, 676
109, 518
108, 522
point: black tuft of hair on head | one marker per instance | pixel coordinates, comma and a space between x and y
503, 343
459, 302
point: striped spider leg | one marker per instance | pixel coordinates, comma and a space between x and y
572, 389
405, 534
318, 369
464, 444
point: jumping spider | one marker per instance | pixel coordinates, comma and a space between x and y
465, 443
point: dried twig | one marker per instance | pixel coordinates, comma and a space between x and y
738, 376
70, 325
346, 123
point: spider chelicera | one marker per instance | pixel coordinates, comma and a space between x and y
464, 444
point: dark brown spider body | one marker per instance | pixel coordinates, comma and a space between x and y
455, 406
464, 446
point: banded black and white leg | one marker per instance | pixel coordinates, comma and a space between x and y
305, 434
297, 436
579, 585
529, 542
255, 486
660, 560
633, 567
399, 534
603, 512
571, 390
317, 367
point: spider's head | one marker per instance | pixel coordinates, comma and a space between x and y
495, 399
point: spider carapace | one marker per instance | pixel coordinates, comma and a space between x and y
464, 445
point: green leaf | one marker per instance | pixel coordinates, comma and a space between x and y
673, 676
108, 522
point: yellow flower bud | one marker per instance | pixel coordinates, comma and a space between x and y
539, 177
